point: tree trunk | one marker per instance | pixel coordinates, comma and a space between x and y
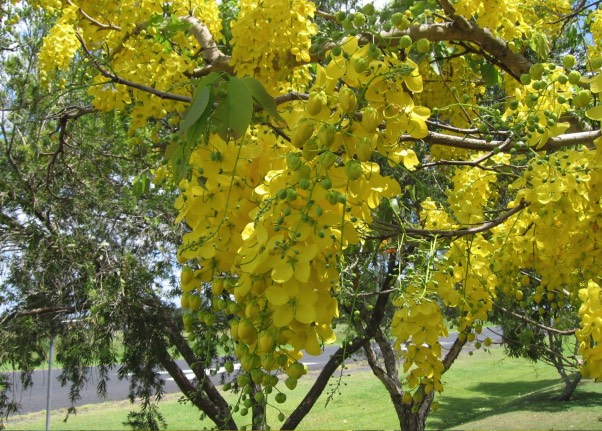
258, 411
414, 416
559, 361
569, 387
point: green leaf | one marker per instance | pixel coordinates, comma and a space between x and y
198, 128
176, 25
179, 162
155, 20
197, 107
539, 44
234, 111
209, 79
491, 75
137, 187
263, 98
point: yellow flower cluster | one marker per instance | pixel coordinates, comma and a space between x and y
541, 103
514, 19
418, 324
270, 217
503, 17
271, 39
542, 15
472, 189
595, 49
556, 239
442, 89
590, 334
60, 45
132, 43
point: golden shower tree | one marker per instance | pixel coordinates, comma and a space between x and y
449, 145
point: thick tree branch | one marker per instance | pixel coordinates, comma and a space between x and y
461, 29
218, 410
212, 55
191, 391
453, 353
553, 143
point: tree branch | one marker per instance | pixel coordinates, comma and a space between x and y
451, 233
218, 408
117, 79
93, 21
462, 29
453, 353
534, 323
37, 312
473, 163
553, 143
191, 391
212, 55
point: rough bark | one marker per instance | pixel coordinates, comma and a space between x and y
207, 398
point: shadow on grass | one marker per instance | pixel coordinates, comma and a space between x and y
501, 397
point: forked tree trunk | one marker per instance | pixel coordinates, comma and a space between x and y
416, 420
412, 417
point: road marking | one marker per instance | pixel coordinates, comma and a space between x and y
190, 374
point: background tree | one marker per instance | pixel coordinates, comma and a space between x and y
434, 133
87, 242
542, 332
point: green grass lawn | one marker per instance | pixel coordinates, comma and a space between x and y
483, 391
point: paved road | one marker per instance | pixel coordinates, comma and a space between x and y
34, 399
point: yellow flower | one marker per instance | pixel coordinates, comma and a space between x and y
294, 261
292, 301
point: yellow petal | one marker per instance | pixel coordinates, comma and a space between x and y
595, 113
282, 316
414, 82
418, 129
305, 313
282, 272
302, 271
247, 231
410, 161
326, 333
312, 345
276, 295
